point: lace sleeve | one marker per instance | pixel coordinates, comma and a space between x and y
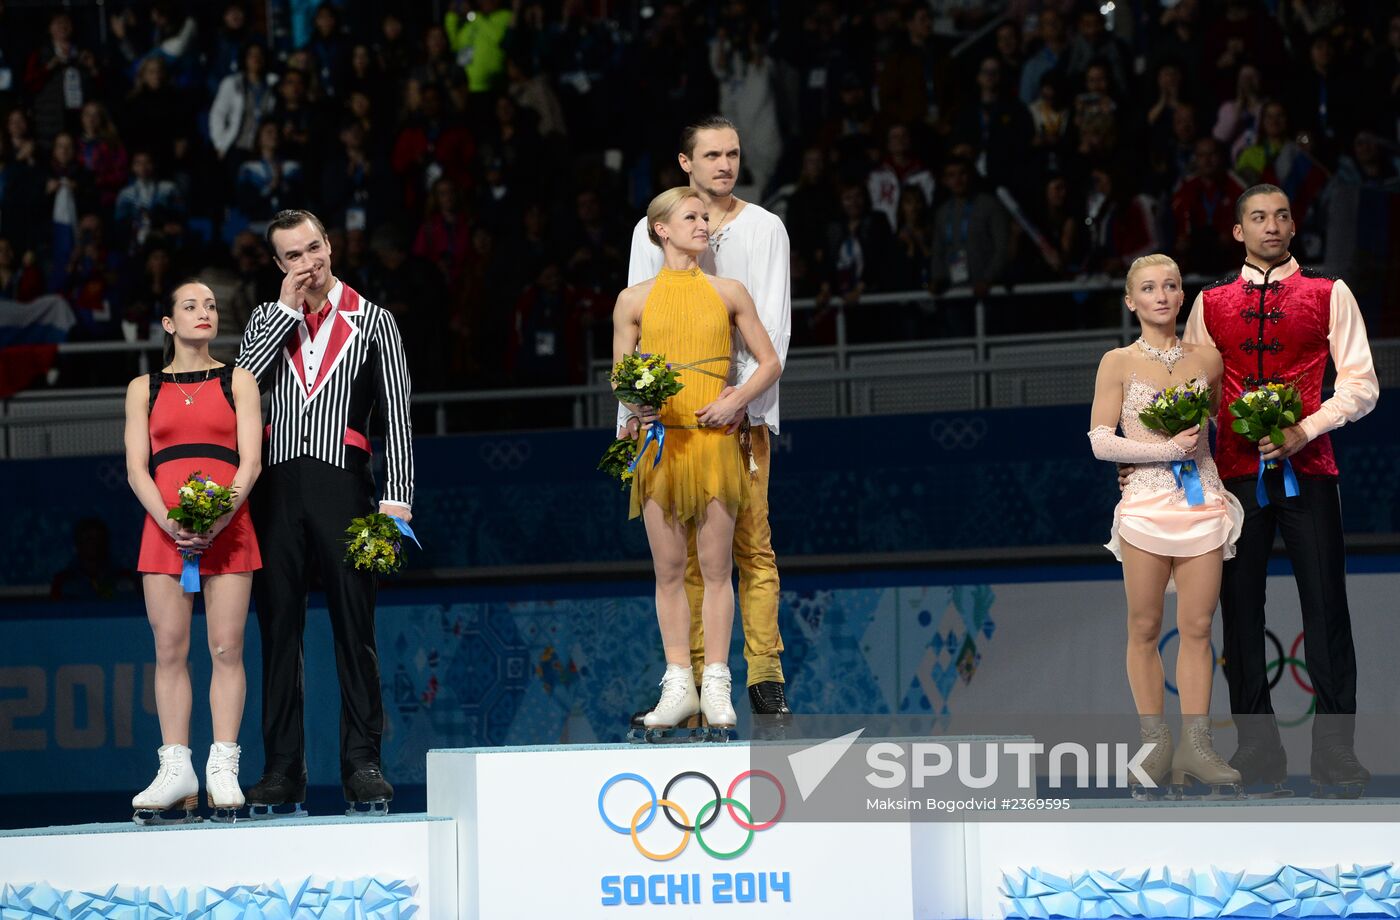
1111, 447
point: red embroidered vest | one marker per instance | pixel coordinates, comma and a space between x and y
1270, 333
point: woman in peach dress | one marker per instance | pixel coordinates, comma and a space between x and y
1158, 536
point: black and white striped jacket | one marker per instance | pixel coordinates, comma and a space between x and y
322, 389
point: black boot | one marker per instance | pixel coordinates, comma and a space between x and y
367, 786
277, 790
1337, 774
768, 698
1260, 757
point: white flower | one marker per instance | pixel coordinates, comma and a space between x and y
187, 491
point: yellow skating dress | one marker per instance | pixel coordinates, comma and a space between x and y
685, 320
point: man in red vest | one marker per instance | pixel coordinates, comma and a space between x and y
1276, 322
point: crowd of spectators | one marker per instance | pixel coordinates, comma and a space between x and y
479, 164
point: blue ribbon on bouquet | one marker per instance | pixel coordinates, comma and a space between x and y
1188, 478
1290, 481
189, 573
657, 433
404, 529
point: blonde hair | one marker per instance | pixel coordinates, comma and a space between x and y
664, 205
1148, 261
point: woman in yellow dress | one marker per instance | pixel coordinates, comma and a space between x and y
703, 475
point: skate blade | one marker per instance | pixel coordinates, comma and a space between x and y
1272, 792
159, 817
1144, 794
143, 818
674, 735
376, 809
1338, 791
223, 814
1219, 792
266, 813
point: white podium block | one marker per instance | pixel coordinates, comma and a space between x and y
1285, 857
362, 867
547, 831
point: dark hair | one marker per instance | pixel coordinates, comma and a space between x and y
708, 123
167, 309
1262, 188
290, 219
246, 50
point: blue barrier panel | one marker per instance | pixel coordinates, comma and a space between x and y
1010, 477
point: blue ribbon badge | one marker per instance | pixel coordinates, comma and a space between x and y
657, 433
1188, 478
404, 529
189, 573
1290, 481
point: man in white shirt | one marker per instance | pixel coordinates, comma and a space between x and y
749, 245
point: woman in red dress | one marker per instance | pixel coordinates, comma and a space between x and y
195, 415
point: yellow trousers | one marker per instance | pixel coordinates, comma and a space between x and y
758, 580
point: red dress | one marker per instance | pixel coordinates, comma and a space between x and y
201, 436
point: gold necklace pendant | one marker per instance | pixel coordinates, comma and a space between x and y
189, 397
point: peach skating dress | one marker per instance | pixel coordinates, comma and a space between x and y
1153, 514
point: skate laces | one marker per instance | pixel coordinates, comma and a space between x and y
223, 761
169, 766
717, 686
674, 687
1201, 741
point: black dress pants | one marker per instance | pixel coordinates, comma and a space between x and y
1311, 525
301, 509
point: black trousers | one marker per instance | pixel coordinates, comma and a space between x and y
1311, 525
301, 509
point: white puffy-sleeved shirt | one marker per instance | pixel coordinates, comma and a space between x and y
753, 250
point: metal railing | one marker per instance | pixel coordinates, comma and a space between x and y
965, 373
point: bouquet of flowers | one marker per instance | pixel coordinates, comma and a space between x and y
202, 502
1264, 413
1172, 411
646, 380
375, 543
1178, 408
619, 459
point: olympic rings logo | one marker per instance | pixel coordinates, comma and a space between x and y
704, 818
960, 433
504, 455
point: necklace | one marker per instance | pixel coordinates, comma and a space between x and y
189, 397
1167, 356
714, 234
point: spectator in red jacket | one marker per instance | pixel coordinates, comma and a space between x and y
430, 146
1204, 212
101, 151
444, 237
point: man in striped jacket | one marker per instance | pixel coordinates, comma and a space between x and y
324, 356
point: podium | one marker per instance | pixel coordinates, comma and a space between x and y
381, 868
